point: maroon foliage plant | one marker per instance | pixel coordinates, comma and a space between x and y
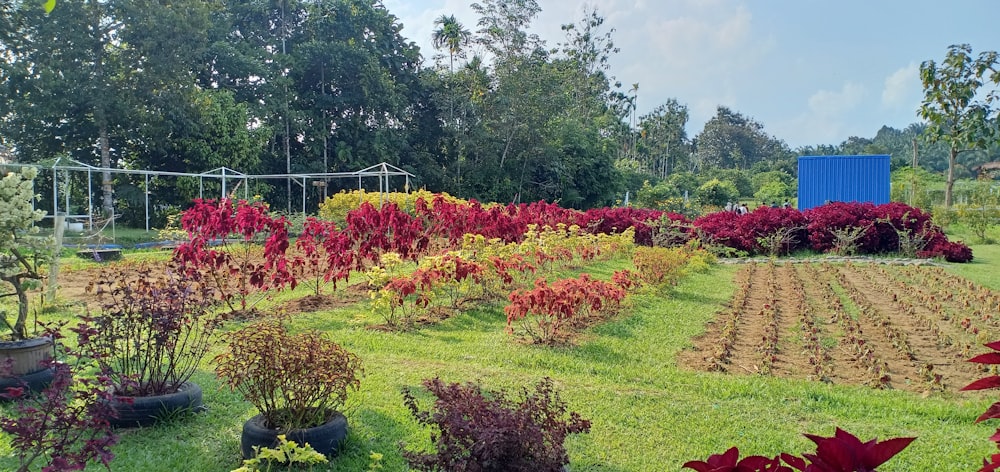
154, 328
66, 424
484, 431
991, 382
843, 452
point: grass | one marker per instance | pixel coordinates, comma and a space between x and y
648, 414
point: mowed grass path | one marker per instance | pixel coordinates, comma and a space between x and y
646, 413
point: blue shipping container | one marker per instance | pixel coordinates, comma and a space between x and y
824, 179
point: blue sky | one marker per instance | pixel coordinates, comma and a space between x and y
811, 71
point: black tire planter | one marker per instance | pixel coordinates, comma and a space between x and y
146, 411
35, 382
327, 439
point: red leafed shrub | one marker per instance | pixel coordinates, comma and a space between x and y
730, 461
451, 221
374, 232
545, 310
628, 280
236, 266
985, 383
720, 227
892, 218
322, 254
879, 230
488, 431
617, 220
65, 425
751, 232
823, 221
843, 452
951, 251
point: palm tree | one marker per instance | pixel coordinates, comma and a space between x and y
452, 35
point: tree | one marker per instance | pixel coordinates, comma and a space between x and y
452, 35
62, 78
951, 106
22, 251
731, 140
664, 146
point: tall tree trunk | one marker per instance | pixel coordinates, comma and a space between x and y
108, 201
101, 117
951, 177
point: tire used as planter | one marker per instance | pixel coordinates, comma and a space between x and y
27, 354
28, 367
327, 439
35, 381
146, 411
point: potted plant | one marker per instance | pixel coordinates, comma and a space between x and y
65, 426
297, 381
22, 252
154, 328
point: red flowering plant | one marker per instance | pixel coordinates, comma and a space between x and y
239, 247
66, 424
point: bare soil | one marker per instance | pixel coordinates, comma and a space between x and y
924, 346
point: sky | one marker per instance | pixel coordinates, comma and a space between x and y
811, 71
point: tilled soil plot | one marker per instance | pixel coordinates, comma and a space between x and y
901, 327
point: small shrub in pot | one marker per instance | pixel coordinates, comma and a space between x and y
297, 380
154, 328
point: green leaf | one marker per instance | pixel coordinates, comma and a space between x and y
49, 5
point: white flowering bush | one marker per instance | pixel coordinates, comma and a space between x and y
22, 250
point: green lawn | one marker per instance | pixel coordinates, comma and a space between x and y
647, 414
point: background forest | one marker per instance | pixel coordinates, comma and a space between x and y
293, 86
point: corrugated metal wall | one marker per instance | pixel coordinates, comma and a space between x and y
825, 179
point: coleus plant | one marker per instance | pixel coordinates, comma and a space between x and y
235, 265
322, 254
843, 452
990, 358
66, 425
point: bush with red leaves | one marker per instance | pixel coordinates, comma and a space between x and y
843, 452
951, 251
823, 220
745, 232
485, 431
617, 220
884, 224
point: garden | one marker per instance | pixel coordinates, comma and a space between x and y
442, 334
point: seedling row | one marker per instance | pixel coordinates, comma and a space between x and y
901, 327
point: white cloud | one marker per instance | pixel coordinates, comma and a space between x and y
901, 87
837, 103
828, 116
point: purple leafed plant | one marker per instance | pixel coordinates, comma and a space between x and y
66, 425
